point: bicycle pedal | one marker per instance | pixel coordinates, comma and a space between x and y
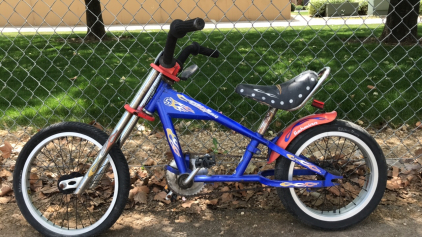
205, 161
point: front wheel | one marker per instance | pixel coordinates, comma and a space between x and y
60, 152
341, 148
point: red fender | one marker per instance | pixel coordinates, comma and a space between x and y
299, 126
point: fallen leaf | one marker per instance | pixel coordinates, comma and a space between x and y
6, 150
226, 197
395, 171
336, 191
143, 173
418, 155
37, 185
419, 124
212, 202
73, 78
188, 203
140, 196
159, 135
250, 169
5, 190
240, 186
132, 193
371, 87
390, 196
133, 176
156, 190
144, 189
5, 174
4, 200
149, 162
97, 125
161, 196
394, 183
47, 190
250, 193
97, 201
33, 178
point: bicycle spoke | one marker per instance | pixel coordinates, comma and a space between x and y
337, 155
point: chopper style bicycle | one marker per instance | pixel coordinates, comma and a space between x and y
71, 179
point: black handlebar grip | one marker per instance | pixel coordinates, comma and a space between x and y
209, 52
179, 28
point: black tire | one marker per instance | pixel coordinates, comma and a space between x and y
357, 197
69, 149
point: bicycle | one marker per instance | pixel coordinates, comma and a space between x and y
332, 173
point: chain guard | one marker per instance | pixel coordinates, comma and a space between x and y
172, 181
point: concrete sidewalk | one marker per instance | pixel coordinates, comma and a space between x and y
298, 20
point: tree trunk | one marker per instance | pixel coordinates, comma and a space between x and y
94, 20
402, 19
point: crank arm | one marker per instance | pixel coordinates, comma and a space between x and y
70, 183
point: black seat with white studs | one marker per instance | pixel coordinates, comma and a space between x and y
286, 96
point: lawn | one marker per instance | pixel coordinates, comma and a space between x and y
300, 13
46, 80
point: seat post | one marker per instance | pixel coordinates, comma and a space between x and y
267, 120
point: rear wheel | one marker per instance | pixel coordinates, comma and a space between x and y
344, 149
65, 151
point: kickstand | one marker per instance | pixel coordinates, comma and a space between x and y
171, 196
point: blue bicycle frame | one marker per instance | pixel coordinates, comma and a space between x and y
157, 95
170, 104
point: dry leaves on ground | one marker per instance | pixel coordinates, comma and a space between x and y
6, 150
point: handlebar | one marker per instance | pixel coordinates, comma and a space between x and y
178, 29
196, 49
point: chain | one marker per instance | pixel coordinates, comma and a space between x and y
171, 194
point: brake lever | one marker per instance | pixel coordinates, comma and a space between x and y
188, 72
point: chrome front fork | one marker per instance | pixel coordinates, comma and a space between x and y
120, 133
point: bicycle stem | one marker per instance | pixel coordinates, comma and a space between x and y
120, 133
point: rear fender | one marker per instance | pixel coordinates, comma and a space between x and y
297, 128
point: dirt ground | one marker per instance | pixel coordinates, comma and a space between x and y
261, 214
392, 219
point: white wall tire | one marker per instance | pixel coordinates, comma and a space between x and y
36, 160
317, 207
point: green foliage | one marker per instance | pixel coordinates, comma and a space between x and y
420, 9
317, 7
293, 7
299, 7
363, 7
106, 80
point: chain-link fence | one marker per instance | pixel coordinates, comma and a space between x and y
50, 72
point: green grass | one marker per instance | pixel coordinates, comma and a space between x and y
300, 13
36, 69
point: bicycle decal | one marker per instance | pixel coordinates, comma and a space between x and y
198, 106
263, 92
177, 105
173, 141
306, 126
299, 185
294, 129
304, 163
